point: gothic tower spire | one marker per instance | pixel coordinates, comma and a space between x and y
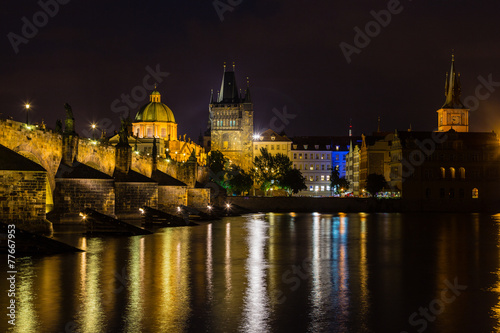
453, 88
453, 114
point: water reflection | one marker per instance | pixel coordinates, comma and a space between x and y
496, 288
27, 318
90, 315
256, 301
270, 273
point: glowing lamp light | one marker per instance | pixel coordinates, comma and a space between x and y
209, 207
84, 217
256, 136
141, 210
179, 209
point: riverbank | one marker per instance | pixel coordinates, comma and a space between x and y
334, 204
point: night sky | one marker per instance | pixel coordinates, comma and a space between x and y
91, 52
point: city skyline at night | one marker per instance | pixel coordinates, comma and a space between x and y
93, 59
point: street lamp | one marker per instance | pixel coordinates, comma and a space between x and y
27, 107
93, 126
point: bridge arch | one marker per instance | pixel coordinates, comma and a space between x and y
50, 184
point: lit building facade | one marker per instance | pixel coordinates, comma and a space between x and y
273, 142
315, 157
231, 122
155, 120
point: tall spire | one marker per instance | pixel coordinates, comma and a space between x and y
453, 88
248, 97
228, 88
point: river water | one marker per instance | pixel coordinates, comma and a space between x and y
271, 273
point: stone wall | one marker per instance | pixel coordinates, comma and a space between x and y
71, 196
132, 196
198, 197
170, 197
22, 195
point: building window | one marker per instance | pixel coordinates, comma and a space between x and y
443, 173
322, 156
300, 156
311, 188
322, 177
452, 173
327, 187
316, 188
328, 177
294, 156
322, 167
317, 178
461, 171
317, 156
311, 167
300, 166
327, 146
255, 147
149, 132
272, 147
277, 147
295, 166
311, 178
461, 193
451, 194
441, 192
327, 156
305, 156
322, 188
475, 193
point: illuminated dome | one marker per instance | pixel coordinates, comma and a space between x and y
155, 110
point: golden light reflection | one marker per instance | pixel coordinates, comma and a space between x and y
496, 288
90, 316
26, 315
256, 301
135, 285
363, 270
171, 306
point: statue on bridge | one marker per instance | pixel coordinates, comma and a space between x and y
69, 122
124, 131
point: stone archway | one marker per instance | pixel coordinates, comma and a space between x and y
50, 184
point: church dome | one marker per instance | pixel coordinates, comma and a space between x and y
155, 110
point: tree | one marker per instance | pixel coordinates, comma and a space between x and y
338, 183
276, 172
293, 181
217, 164
238, 180
375, 183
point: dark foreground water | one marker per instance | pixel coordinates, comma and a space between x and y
272, 273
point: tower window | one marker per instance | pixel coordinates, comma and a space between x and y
475, 193
462, 173
443, 172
